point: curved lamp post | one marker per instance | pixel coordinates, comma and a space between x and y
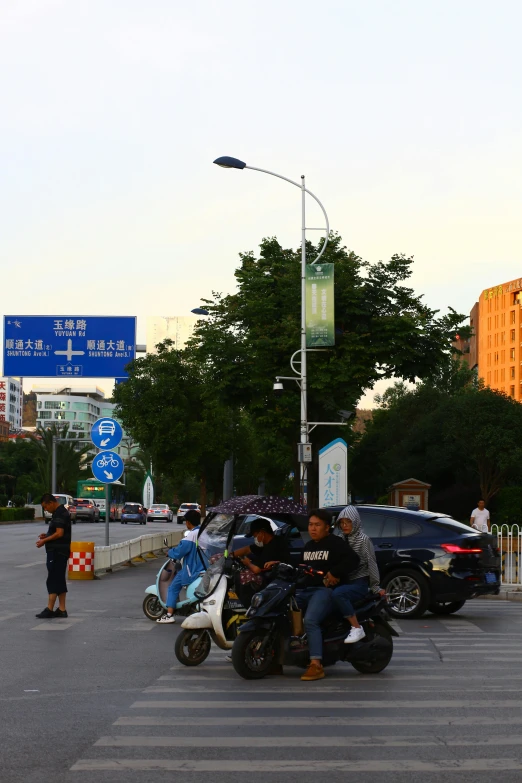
227, 162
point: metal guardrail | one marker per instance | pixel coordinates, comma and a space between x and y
134, 550
510, 545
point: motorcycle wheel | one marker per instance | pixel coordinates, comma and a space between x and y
192, 647
366, 667
152, 607
247, 663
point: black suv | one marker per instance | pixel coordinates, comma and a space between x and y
428, 560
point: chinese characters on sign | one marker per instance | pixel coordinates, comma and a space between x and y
333, 475
320, 329
89, 347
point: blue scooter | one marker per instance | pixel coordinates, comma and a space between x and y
154, 602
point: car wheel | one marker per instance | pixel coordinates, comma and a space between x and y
407, 593
449, 607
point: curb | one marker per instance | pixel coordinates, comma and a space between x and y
21, 521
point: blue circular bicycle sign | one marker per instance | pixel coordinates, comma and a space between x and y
107, 466
106, 433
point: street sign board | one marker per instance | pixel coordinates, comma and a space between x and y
107, 466
106, 433
333, 474
67, 346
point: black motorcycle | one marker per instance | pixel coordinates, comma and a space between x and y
268, 637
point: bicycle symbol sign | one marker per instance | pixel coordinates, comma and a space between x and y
107, 466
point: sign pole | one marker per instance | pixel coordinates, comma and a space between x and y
107, 512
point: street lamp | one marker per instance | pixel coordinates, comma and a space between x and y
300, 376
200, 311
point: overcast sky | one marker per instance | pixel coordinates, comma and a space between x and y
404, 115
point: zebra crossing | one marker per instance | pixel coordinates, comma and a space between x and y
444, 705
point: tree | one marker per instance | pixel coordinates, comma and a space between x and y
169, 407
382, 330
71, 457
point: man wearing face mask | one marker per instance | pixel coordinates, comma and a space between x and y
266, 550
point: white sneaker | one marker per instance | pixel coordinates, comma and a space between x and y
355, 635
166, 618
228, 657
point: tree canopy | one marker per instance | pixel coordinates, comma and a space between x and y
193, 407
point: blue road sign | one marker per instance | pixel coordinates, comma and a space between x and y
44, 346
106, 433
107, 466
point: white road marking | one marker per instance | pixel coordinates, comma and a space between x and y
338, 720
305, 766
321, 704
30, 565
9, 616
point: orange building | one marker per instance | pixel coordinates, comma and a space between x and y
498, 331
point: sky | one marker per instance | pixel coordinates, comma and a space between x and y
405, 117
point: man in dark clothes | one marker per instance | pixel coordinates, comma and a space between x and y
335, 559
57, 542
266, 550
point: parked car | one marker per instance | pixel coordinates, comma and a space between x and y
182, 510
85, 509
64, 500
133, 512
428, 561
160, 512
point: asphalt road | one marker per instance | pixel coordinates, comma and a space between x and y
100, 698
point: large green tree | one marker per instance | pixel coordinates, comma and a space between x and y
382, 330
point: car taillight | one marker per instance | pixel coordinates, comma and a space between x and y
455, 549
164, 511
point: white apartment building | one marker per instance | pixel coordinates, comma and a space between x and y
11, 402
178, 328
79, 407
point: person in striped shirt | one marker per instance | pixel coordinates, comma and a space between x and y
364, 578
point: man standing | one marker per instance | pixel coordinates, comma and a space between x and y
57, 542
335, 559
480, 518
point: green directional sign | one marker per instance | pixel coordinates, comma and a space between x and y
320, 330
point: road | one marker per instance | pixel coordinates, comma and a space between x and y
100, 698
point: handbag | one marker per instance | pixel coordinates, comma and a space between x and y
296, 617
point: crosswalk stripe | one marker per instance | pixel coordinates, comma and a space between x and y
396, 704
299, 765
338, 720
354, 740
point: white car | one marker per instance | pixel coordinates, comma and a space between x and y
63, 500
182, 510
160, 512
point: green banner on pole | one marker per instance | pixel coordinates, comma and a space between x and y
320, 329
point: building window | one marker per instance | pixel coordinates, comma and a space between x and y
502, 375
496, 322
512, 334
512, 372
512, 317
512, 353
45, 415
502, 357
511, 391
489, 360
488, 378
502, 338
503, 319
496, 357
495, 376
489, 324
514, 298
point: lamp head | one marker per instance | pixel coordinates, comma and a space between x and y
199, 311
226, 162
278, 388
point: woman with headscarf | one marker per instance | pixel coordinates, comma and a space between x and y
364, 578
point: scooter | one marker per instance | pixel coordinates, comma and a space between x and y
268, 636
154, 602
220, 616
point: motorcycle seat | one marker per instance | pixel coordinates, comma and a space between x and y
368, 598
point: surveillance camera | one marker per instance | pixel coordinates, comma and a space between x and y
345, 414
278, 388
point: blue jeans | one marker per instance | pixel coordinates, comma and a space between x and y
318, 604
174, 590
345, 596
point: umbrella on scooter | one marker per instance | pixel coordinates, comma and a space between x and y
259, 504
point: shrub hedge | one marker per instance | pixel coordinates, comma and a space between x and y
16, 514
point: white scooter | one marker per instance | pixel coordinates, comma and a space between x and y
221, 613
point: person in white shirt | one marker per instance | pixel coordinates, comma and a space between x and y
480, 518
